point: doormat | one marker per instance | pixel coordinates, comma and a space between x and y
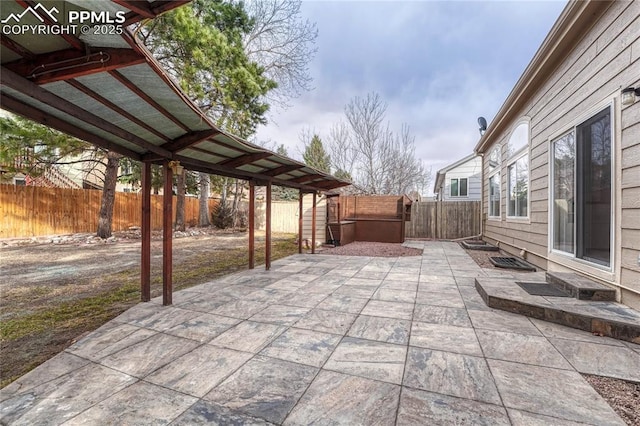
542, 289
511, 263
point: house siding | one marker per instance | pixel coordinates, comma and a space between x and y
589, 79
471, 170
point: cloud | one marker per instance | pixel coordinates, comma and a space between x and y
438, 64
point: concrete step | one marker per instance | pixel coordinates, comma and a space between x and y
580, 287
603, 318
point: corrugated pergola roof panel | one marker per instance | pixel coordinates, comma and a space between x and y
148, 81
112, 90
72, 120
198, 155
212, 147
85, 102
267, 163
33, 43
108, 90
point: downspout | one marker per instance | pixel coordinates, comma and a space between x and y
481, 195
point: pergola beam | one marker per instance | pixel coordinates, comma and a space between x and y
252, 225
267, 238
167, 235
189, 139
37, 115
300, 220
157, 7
139, 7
72, 63
145, 251
303, 179
282, 170
313, 225
245, 159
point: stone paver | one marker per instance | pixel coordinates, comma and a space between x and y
339, 340
264, 387
366, 358
340, 399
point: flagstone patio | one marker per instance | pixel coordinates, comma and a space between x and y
328, 340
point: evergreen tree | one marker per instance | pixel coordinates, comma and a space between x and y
315, 156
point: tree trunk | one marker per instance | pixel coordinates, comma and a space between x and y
179, 225
108, 195
204, 200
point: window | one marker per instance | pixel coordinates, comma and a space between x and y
494, 195
581, 192
519, 138
518, 172
494, 159
518, 184
459, 187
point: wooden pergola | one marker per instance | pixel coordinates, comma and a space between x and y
108, 90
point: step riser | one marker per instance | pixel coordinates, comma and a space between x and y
596, 293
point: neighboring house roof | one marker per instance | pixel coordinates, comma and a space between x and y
442, 172
107, 89
574, 22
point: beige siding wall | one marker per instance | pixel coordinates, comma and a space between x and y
590, 78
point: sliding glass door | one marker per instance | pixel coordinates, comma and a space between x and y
581, 194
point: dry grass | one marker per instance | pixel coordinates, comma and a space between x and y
37, 326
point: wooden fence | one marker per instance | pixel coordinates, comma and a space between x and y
27, 211
444, 220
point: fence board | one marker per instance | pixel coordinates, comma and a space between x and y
28, 211
444, 219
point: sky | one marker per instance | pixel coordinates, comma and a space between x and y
439, 65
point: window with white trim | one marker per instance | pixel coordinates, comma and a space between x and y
459, 187
518, 172
494, 195
495, 159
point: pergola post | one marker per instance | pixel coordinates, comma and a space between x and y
167, 235
252, 224
300, 222
267, 247
145, 253
313, 225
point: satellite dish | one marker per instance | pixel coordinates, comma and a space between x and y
483, 125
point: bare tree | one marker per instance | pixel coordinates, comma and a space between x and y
365, 150
283, 43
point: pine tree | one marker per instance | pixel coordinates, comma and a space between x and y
315, 156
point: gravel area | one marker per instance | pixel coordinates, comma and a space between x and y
362, 248
622, 396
